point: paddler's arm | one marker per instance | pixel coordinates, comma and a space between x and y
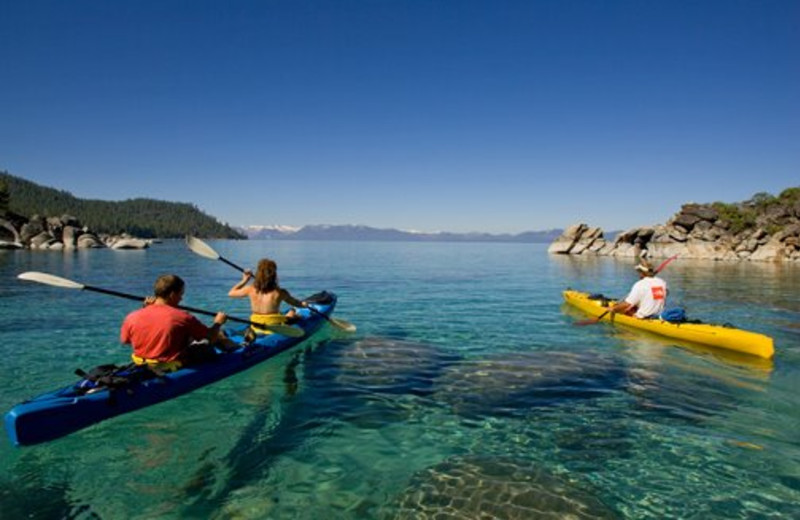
628, 304
218, 338
620, 308
238, 290
291, 300
213, 330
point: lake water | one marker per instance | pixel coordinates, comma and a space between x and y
466, 389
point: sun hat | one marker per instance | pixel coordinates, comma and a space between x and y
644, 267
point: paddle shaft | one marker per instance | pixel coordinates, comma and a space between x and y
139, 299
222, 258
665, 263
596, 320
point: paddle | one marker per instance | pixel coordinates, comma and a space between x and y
203, 249
592, 321
57, 281
664, 264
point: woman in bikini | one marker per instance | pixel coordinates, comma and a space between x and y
265, 295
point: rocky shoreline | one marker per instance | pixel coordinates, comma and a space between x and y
59, 233
764, 228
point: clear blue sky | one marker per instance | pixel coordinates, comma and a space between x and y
496, 116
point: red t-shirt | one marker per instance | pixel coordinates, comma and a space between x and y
161, 332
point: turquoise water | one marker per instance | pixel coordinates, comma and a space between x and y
465, 390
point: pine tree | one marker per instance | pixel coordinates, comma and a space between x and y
4, 197
145, 218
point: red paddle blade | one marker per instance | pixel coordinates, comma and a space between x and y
586, 322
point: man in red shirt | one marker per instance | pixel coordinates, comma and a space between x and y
161, 334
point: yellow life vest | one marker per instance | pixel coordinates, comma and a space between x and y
164, 366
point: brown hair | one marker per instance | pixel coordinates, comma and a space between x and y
266, 276
168, 284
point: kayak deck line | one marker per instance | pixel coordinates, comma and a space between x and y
720, 336
60, 412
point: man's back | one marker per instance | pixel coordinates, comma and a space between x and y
161, 332
649, 295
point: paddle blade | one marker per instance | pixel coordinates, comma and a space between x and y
586, 322
339, 324
286, 330
592, 321
49, 279
201, 248
342, 325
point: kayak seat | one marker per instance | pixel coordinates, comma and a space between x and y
323, 298
604, 301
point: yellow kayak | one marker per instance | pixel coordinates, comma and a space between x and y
719, 336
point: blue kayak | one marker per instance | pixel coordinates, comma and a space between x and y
58, 413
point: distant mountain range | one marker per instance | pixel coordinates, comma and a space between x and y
366, 233
149, 218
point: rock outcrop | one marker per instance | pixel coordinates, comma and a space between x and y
764, 228
126, 242
58, 233
9, 237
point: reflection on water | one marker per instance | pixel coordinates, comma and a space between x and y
466, 391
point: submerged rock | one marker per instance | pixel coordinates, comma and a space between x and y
692, 397
513, 383
380, 365
482, 487
374, 381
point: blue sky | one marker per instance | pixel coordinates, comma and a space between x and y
495, 116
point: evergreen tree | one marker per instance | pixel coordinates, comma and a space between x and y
145, 218
4, 197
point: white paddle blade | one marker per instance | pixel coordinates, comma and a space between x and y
49, 279
201, 248
343, 325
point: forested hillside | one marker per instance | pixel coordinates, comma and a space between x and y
145, 218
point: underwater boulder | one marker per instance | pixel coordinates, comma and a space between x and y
379, 365
685, 395
373, 381
472, 487
510, 384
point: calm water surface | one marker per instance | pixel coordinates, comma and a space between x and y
466, 389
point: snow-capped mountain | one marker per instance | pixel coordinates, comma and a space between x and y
355, 233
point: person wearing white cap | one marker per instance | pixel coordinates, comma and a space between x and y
647, 297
